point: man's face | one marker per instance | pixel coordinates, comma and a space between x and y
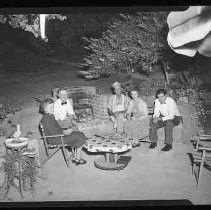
162, 98
118, 90
63, 95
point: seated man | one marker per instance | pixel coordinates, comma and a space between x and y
117, 107
166, 114
51, 127
63, 110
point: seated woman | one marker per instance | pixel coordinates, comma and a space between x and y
137, 123
117, 107
51, 127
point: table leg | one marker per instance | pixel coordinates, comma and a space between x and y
115, 157
107, 157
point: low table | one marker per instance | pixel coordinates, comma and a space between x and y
111, 145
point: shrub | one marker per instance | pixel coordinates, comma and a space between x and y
129, 41
195, 97
146, 87
7, 109
185, 93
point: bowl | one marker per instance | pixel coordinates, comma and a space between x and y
16, 143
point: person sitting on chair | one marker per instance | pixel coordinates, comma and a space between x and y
117, 107
166, 114
51, 127
63, 111
137, 123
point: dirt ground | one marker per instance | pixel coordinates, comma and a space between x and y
151, 175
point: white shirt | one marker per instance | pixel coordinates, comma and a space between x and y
168, 110
61, 111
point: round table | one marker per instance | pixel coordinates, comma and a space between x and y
111, 145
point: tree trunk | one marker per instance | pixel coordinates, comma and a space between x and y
165, 71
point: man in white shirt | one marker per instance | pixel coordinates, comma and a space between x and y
63, 110
166, 114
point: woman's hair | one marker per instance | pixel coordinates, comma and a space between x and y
44, 103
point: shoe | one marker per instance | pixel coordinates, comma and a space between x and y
153, 145
81, 161
167, 147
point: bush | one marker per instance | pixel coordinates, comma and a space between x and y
131, 40
8, 109
195, 97
145, 87
184, 94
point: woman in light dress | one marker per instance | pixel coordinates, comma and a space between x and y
137, 123
117, 107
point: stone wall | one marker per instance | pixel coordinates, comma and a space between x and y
99, 104
79, 94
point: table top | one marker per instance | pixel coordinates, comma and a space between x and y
113, 143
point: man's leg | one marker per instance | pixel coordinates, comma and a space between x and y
169, 132
153, 130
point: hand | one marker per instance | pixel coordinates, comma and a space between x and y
67, 131
155, 119
128, 116
73, 116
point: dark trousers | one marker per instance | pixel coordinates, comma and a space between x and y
168, 124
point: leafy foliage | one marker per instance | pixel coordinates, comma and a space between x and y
195, 97
145, 87
7, 109
185, 93
131, 40
10, 168
28, 22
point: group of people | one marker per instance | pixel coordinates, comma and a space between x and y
128, 114
59, 114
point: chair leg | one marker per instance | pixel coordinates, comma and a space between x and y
65, 155
201, 168
193, 168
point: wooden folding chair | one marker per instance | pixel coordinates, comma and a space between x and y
57, 147
201, 154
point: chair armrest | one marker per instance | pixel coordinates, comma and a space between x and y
59, 135
201, 138
205, 137
205, 148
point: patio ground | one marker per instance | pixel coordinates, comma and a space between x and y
151, 175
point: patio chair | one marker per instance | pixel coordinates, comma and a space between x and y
56, 147
201, 154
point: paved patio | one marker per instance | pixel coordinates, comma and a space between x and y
151, 175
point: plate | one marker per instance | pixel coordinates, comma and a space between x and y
16, 143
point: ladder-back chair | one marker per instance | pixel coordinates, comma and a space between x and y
57, 147
201, 154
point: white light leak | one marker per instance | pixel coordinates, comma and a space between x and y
42, 25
